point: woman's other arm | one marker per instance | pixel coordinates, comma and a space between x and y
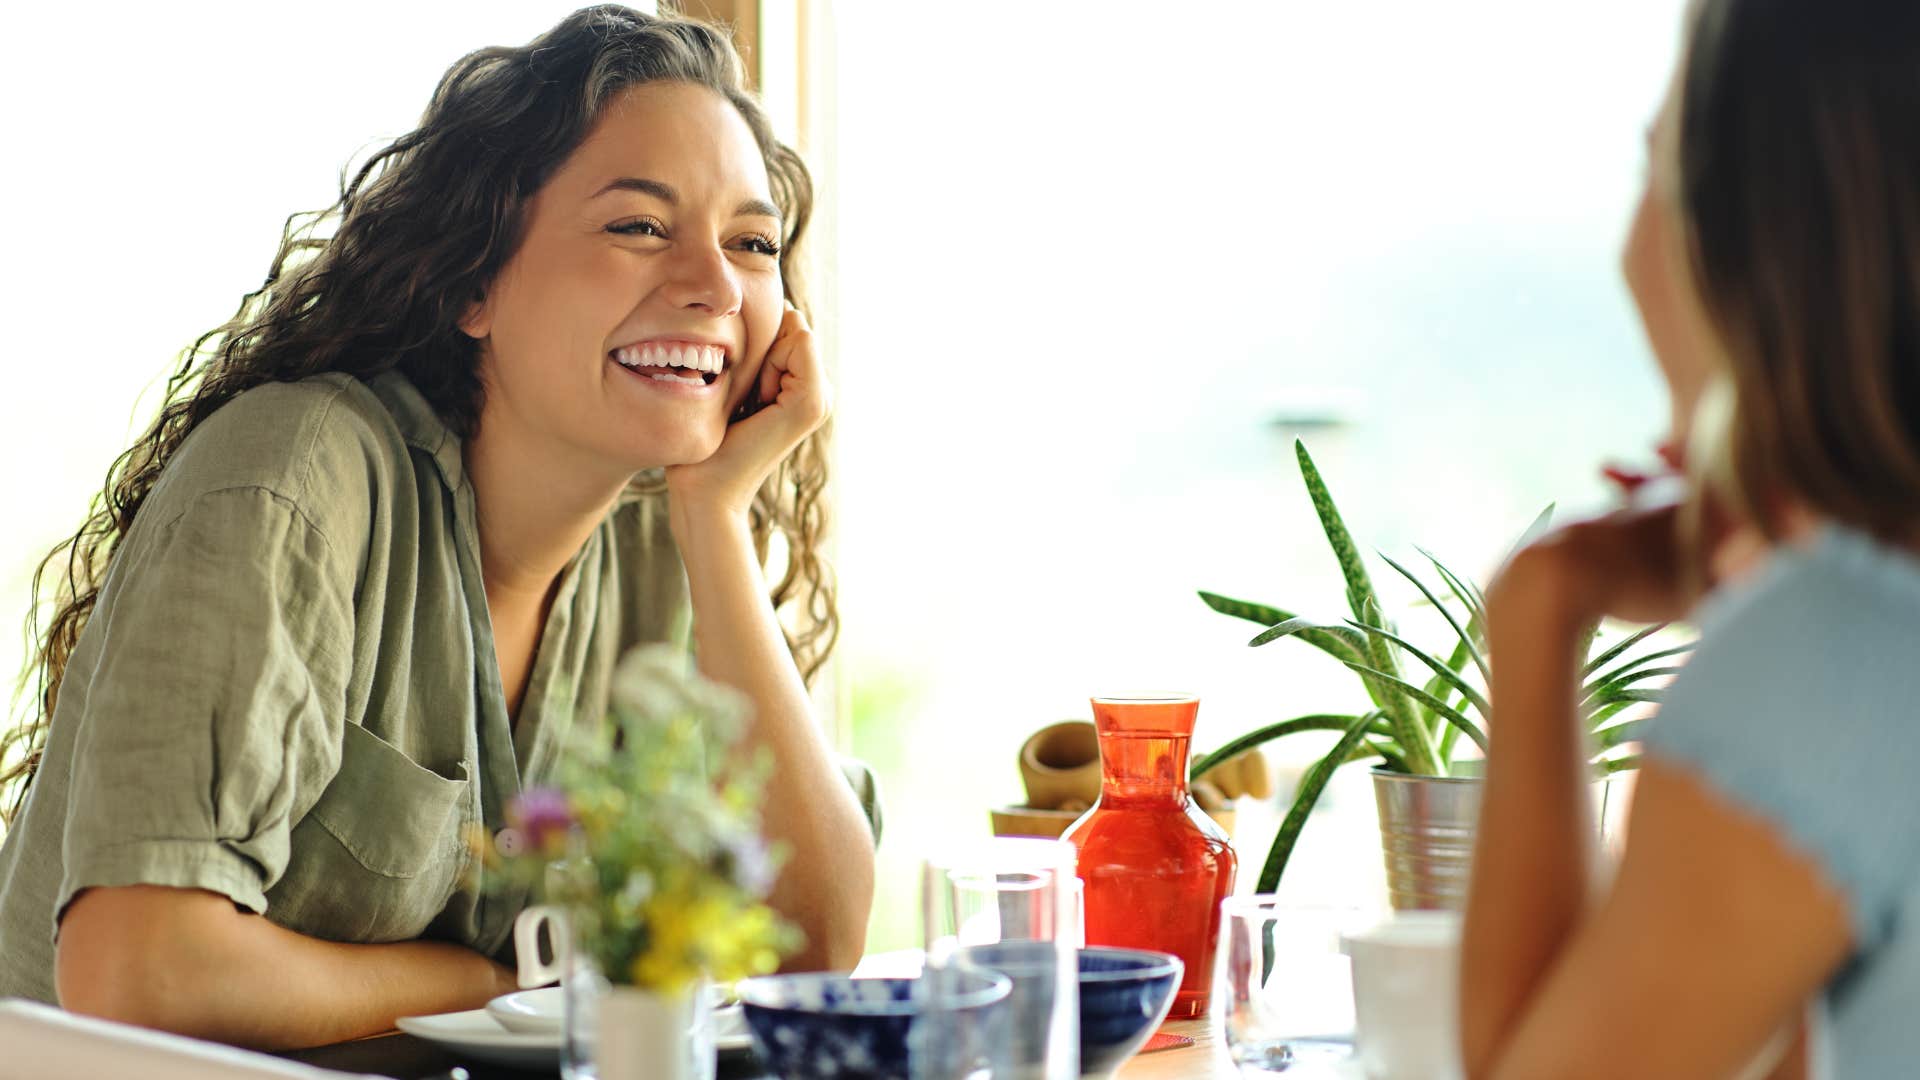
826, 885
188, 961
1712, 936
1715, 936
1525, 903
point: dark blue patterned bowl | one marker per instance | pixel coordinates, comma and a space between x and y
823, 1026
1124, 994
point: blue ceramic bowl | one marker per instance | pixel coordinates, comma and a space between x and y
1124, 995
823, 1026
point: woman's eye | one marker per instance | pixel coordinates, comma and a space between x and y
641, 227
760, 245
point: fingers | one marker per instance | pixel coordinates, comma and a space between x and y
793, 374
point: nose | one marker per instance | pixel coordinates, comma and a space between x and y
701, 277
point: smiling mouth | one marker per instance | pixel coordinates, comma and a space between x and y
684, 363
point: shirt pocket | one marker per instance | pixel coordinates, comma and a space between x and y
380, 853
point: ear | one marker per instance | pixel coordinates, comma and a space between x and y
477, 321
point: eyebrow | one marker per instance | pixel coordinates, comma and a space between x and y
666, 194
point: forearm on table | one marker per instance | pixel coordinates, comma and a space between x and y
189, 962
826, 884
1532, 854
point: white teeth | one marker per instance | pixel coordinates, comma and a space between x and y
707, 358
684, 380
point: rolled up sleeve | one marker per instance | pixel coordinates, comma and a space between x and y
211, 704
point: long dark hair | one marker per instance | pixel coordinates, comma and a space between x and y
1798, 182
380, 279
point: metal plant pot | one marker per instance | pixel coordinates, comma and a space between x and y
1426, 837
1427, 826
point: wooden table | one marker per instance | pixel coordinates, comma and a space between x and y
408, 1058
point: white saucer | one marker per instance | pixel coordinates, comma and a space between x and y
530, 1012
481, 1035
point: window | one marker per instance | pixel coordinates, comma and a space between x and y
1099, 264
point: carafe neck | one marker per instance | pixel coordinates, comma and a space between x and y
1144, 747
1143, 767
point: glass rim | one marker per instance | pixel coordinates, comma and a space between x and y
771, 993
1144, 699
1269, 906
1005, 854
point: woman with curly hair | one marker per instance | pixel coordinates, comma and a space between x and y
539, 387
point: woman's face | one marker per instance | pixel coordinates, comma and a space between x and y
1660, 276
632, 320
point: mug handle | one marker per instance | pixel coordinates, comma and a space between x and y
526, 945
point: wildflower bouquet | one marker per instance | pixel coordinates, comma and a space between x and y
661, 869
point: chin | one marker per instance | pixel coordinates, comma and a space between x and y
688, 449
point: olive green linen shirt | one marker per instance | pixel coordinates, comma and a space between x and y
287, 693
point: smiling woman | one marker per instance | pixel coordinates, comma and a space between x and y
395, 522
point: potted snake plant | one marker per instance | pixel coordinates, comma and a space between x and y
1422, 708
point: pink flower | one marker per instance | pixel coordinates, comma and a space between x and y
543, 817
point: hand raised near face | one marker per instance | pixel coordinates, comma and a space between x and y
792, 398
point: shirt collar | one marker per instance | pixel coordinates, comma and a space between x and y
420, 425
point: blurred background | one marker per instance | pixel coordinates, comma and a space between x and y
1087, 270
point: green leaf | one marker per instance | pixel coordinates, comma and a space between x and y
1601, 715
1452, 717
1412, 735
1633, 639
1311, 785
1242, 609
1446, 734
1651, 697
1390, 754
1626, 666
1619, 764
1440, 671
1605, 691
1416, 742
1360, 593
1259, 736
1331, 644
1630, 731
1324, 636
1466, 639
1531, 533
1463, 590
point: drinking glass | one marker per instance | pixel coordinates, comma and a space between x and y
1283, 986
1007, 904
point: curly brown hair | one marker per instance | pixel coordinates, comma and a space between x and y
420, 229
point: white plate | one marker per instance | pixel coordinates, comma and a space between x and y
476, 1035
479, 1034
532, 1012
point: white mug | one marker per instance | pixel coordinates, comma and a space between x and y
526, 945
1404, 996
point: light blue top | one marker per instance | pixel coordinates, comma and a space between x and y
1799, 705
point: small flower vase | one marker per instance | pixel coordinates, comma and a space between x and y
627, 1033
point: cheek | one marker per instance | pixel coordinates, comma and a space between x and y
1653, 277
763, 309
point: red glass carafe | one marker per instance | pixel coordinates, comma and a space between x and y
1156, 867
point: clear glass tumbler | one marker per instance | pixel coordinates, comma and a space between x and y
1283, 989
1008, 905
